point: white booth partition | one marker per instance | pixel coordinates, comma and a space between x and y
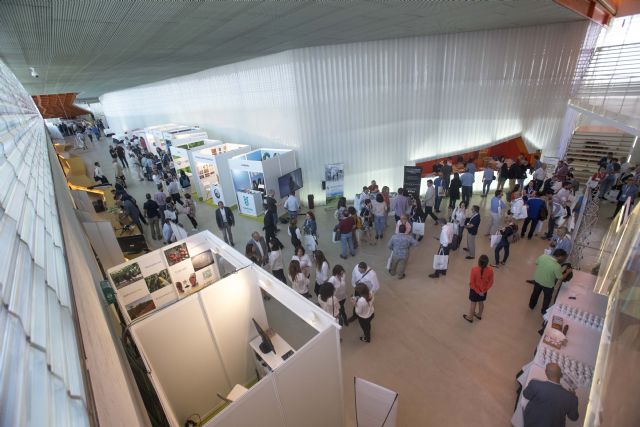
257, 172
153, 135
207, 166
184, 135
209, 362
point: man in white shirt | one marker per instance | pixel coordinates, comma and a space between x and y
362, 273
446, 237
539, 176
292, 205
174, 191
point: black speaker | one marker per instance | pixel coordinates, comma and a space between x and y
324, 185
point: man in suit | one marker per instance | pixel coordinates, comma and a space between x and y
472, 225
260, 247
549, 403
225, 220
270, 221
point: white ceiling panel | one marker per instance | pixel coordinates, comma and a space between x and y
97, 46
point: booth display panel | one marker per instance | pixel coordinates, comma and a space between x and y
255, 173
199, 356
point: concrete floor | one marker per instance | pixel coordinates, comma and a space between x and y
447, 372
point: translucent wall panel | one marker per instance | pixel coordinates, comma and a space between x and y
41, 375
377, 105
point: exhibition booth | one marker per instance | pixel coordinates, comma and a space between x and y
157, 136
257, 172
224, 343
207, 166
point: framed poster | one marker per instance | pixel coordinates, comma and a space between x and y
334, 181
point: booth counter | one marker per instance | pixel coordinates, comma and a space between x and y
204, 346
257, 172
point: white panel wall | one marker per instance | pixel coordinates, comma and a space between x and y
377, 105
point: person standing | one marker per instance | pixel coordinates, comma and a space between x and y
225, 220
514, 173
548, 271
437, 183
292, 205
467, 179
555, 211
190, 210
338, 280
272, 207
430, 201
454, 191
322, 270
459, 219
294, 233
327, 300
185, 183
487, 179
161, 199
362, 273
129, 208
345, 227
447, 169
400, 244
504, 243
260, 248
503, 173
539, 176
304, 260
269, 221
400, 204
299, 282
480, 281
119, 174
363, 306
549, 403
535, 206
497, 206
446, 238
379, 210
629, 190
174, 190
276, 265
167, 232
152, 212
472, 226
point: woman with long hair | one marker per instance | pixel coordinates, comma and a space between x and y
387, 201
328, 301
338, 280
275, 260
294, 233
299, 282
322, 270
303, 259
341, 210
310, 228
379, 211
480, 282
458, 217
363, 302
454, 190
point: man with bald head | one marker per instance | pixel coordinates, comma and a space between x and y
549, 403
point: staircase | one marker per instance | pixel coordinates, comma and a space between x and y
589, 145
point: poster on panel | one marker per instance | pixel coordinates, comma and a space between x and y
376, 406
334, 179
412, 178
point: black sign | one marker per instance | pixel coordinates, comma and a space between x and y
412, 178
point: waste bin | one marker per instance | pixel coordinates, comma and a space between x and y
310, 201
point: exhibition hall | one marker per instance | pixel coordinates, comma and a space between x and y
319, 214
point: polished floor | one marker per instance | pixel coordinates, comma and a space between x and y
447, 372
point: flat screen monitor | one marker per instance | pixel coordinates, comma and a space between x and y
266, 346
290, 182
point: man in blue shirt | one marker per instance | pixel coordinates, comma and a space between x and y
534, 207
497, 206
561, 240
467, 180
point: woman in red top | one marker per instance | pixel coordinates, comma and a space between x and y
480, 282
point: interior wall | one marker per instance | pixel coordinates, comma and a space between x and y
375, 105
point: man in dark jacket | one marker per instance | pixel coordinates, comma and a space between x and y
225, 220
549, 403
535, 205
270, 223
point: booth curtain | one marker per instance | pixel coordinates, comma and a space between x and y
379, 105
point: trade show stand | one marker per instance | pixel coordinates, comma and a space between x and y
257, 172
197, 313
206, 164
582, 310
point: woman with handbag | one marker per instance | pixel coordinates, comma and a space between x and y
363, 302
339, 283
480, 282
327, 300
322, 270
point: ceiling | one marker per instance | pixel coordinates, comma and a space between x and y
97, 46
58, 105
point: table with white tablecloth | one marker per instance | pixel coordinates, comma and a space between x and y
582, 340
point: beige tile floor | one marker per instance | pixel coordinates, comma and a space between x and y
447, 372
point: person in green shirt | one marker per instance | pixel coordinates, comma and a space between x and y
548, 271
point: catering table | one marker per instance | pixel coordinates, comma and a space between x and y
582, 340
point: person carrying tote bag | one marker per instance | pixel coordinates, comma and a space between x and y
446, 237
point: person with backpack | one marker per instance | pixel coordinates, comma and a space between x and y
536, 211
185, 182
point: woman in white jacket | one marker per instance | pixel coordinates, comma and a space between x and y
364, 310
458, 217
299, 282
327, 300
275, 260
339, 282
322, 270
